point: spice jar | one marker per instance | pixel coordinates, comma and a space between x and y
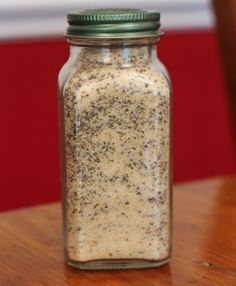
116, 140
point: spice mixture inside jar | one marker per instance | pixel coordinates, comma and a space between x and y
116, 143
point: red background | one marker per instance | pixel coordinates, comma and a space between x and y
28, 114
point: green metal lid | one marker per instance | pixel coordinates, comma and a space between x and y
113, 23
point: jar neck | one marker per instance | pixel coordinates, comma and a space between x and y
122, 51
119, 42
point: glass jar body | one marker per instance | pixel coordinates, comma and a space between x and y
116, 160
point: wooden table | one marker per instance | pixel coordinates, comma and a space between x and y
204, 244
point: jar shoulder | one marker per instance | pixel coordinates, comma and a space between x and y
161, 68
152, 78
66, 70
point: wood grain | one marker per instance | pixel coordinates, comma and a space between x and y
204, 253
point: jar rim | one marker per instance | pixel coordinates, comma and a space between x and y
110, 42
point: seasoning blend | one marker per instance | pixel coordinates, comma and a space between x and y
116, 117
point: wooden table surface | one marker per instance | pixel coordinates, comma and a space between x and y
204, 244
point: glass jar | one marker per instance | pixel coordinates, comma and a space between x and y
116, 141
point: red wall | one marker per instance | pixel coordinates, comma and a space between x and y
203, 144
28, 115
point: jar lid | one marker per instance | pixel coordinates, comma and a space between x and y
113, 23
